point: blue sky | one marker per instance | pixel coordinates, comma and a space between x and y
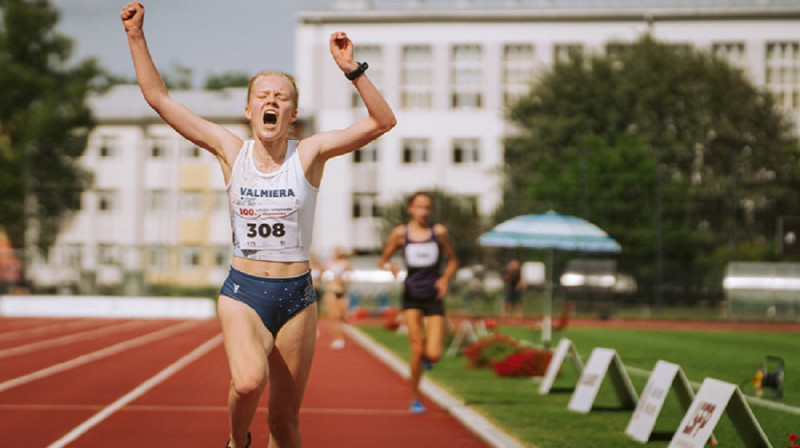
208, 36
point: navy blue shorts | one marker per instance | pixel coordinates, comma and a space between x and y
276, 300
430, 306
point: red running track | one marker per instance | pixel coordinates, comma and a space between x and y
163, 383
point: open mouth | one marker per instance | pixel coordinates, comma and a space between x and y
270, 117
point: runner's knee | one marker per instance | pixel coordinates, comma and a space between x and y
284, 428
248, 384
417, 346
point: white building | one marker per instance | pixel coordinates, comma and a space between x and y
157, 213
447, 67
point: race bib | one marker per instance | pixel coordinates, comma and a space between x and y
269, 225
421, 255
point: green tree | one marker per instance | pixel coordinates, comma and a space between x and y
44, 122
229, 79
178, 76
669, 149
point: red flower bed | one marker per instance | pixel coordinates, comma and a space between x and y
793, 440
524, 362
487, 351
507, 356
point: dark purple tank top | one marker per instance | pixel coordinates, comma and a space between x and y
423, 262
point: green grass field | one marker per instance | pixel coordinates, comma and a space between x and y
544, 420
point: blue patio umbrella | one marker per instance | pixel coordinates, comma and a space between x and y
550, 231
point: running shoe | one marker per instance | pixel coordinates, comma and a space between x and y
427, 364
337, 344
228, 445
417, 407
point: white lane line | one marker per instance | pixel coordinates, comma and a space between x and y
138, 392
99, 354
49, 407
67, 339
772, 405
59, 326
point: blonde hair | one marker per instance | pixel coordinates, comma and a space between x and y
295, 94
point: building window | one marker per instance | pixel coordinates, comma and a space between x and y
106, 200
107, 255
108, 147
468, 204
77, 197
466, 151
190, 256
158, 148
415, 151
417, 77
365, 205
372, 55
157, 258
783, 73
156, 201
465, 76
367, 154
222, 256
563, 53
72, 255
191, 202
518, 70
220, 201
192, 152
733, 52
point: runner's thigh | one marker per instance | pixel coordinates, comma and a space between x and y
290, 360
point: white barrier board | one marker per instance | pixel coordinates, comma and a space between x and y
465, 334
665, 376
713, 399
602, 361
565, 348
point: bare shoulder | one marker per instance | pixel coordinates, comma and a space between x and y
398, 232
440, 230
308, 152
310, 146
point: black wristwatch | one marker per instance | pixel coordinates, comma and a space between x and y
362, 67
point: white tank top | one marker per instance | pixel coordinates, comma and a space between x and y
272, 214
